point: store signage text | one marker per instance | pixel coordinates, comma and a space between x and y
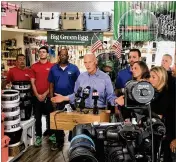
71, 38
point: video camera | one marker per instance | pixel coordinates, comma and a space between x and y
138, 94
123, 142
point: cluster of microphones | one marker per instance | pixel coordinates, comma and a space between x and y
82, 94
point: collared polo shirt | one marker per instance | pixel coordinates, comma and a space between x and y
40, 74
123, 77
64, 80
17, 74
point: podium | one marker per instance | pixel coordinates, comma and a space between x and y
68, 120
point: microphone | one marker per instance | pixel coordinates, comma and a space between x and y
85, 95
77, 96
95, 97
86, 92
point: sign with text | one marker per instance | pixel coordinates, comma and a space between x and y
73, 38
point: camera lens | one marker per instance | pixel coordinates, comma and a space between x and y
82, 154
82, 149
144, 92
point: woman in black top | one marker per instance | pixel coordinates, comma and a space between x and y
171, 119
159, 78
159, 105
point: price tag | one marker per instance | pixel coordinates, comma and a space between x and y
37, 20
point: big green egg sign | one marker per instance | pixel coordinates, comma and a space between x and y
73, 38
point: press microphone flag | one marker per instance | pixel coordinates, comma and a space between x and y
95, 96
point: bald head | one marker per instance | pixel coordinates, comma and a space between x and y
90, 63
90, 56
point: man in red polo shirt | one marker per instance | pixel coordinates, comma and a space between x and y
19, 72
40, 86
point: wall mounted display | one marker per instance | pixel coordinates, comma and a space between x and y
145, 21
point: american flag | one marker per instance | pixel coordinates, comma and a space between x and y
118, 47
96, 46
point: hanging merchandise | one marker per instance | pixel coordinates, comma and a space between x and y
97, 21
26, 40
49, 20
43, 42
72, 21
9, 14
27, 56
24, 18
34, 56
9, 43
51, 50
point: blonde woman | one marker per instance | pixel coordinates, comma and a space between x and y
159, 78
159, 105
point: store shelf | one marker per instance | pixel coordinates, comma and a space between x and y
40, 32
12, 159
33, 32
9, 58
2, 51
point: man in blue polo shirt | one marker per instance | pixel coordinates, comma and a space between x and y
125, 75
62, 78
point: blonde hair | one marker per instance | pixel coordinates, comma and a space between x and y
163, 77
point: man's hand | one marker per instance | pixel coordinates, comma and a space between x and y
173, 146
120, 100
59, 98
44, 95
40, 98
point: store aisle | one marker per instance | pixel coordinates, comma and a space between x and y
44, 153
